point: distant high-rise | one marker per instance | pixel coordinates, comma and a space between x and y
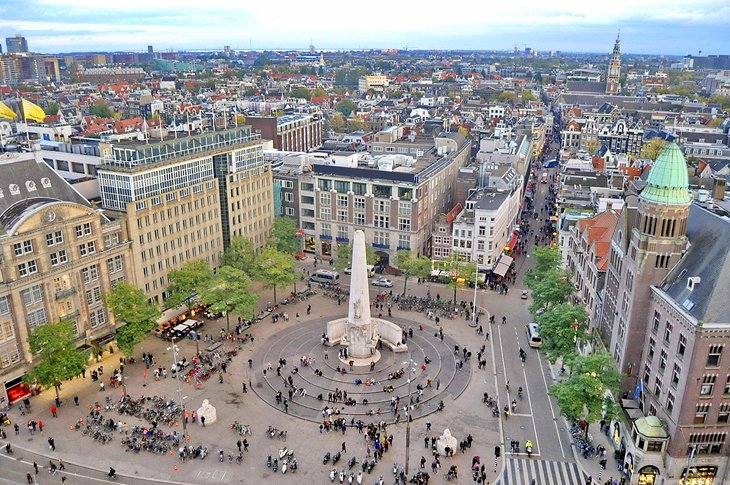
613, 84
150, 50
16, 44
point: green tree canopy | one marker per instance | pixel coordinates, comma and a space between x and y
230, 292
552, 288
412, 266
52, 108
58, 359
544, 258
130, 306
344, 255
653, 148
284, 236
337, 122
346, 106
241, 254
557, 326
583, 395
188, 281
459, 271
102, 110
319, 93
301, 92
355, 124
276, 269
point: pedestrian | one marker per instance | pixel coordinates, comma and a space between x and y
63, 480
202, 421
239, 445
52, 444
35, 467
438, 384
76, 400
17, 429
29, 477
297, 316
61, 466
40, 426
54, 411
428, 425
344, 447
425, 442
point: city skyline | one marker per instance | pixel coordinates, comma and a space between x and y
650, 27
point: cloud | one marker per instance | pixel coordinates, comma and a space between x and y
132, 24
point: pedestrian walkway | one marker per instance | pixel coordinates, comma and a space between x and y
521, 472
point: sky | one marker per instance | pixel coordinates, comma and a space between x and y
672, 27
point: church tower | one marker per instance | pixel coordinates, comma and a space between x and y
655, 240
613, 86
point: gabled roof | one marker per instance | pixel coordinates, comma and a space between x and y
599, 232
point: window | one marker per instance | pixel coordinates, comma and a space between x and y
668, 332
701, 413
25, 269
37, 318
4, 305
404, 224
382, 206
326, 230
32, 295
325, 199
93, 296
111, 239
325, 213
90, 273
59, 257
662, 360
325, 185
724, 413
97, 318
404, 241
654, 445
87, 248
437, 239
652, 344
289, 211
381, 221
437, 252
342, 200
114, 264
359, 188
54, 238
359, 202
670, 401
342, 215
655, 322
341, 232
676, 371
657, 387
482, 231
381, 238
682, 344
21, 248
708, 385
385, 191
83, 230
447, 241
405, 208
727, 385
288, 197
359, 219
713, 357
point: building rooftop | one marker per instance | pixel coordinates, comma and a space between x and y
668, 180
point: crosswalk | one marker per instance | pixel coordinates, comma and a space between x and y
521, 472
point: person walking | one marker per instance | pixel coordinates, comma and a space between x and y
61, 465
54, 411
344, 447
52, 444
76, 400
29, 477
35, 467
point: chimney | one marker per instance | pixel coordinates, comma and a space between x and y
718, 188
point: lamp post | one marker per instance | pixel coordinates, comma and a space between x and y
691, 457
180, 398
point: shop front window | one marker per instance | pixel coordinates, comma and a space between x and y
648, 475
310, 245
698, 475
326, 248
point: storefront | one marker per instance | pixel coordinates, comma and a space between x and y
699, 475
648, 475
16, 389
326, 246
310, 244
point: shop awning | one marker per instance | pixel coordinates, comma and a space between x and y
503, 264
513, 241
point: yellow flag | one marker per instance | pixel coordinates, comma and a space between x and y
6, 112
33, 111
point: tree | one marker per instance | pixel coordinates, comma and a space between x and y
459, 271
187, 281
230, 292
583, 395
652, 149
101, 110
506, 97
284, 236
319, 93
552, 288
344, 256
346, 106
275, 269
58, 358
52, 108
592, 146
410, 266
544, 258
557, 325
130, 305
301, 92
241, 255
337, 122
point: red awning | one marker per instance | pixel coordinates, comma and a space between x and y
513, 241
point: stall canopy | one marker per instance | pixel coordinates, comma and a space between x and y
513, 241
503, 264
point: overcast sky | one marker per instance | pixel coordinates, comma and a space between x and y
647, 26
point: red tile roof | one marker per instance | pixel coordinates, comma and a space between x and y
600, 230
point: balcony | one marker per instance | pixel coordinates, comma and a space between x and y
61, 294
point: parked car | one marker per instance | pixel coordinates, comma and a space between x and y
383, 282
524, 295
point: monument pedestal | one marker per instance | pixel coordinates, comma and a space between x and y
361, 361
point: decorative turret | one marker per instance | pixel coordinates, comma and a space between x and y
613, 79
668, 181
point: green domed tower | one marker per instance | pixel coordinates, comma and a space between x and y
668, 180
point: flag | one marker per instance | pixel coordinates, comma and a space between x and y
6, 112
33, 111
639, 389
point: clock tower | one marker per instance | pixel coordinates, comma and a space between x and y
613, 86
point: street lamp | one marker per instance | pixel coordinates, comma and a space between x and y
411, 371
180, 398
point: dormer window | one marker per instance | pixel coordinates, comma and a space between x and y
693, 281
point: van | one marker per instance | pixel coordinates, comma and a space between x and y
544, 178
325, 276
533, 335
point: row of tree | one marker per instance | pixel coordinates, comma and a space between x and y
226, 289
583, 395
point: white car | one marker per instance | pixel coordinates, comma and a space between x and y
348, 270
383, 282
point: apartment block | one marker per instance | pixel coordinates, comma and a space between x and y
295, 132
59, 256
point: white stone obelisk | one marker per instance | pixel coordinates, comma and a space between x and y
360, 331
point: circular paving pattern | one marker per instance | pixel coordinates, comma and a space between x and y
304, 340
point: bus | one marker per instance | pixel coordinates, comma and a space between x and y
533, 335
325, 276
